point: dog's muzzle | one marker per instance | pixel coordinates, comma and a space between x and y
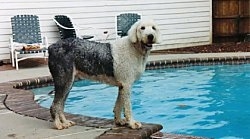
150, 41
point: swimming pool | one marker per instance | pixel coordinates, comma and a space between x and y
209, 101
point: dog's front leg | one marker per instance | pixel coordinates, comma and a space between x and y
118, 109
125, 96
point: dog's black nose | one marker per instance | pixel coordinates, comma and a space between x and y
150, 37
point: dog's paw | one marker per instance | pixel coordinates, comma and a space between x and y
121, 122
135, 125
68, 124
60, 126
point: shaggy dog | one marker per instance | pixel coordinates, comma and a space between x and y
119, 64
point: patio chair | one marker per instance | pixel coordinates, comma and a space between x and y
26, 41
67, 29
124, 21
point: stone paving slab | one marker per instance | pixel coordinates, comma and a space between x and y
124, 133
14, 126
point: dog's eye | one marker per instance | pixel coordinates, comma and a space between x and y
153, 27
142, 28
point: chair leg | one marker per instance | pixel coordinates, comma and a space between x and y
16, 65
13, 59
16, 61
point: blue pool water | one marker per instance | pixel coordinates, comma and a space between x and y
209, 101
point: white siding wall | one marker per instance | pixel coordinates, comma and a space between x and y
182, 22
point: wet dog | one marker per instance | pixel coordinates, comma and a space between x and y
119, 64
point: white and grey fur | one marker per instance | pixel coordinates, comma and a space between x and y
119, 64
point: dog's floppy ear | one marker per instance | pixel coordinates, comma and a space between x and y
158, 35
132, 32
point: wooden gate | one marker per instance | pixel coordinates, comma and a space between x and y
231, 20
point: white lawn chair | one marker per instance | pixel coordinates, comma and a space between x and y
26, 41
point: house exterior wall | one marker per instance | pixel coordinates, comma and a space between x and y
182, 22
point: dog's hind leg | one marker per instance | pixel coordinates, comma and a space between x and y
63, 84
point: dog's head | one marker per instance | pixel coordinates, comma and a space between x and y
145, 33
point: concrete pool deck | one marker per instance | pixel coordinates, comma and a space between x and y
17, 126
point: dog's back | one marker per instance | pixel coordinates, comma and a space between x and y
90, 57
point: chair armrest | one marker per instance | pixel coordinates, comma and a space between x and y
14, 45
95, 30
99, 34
